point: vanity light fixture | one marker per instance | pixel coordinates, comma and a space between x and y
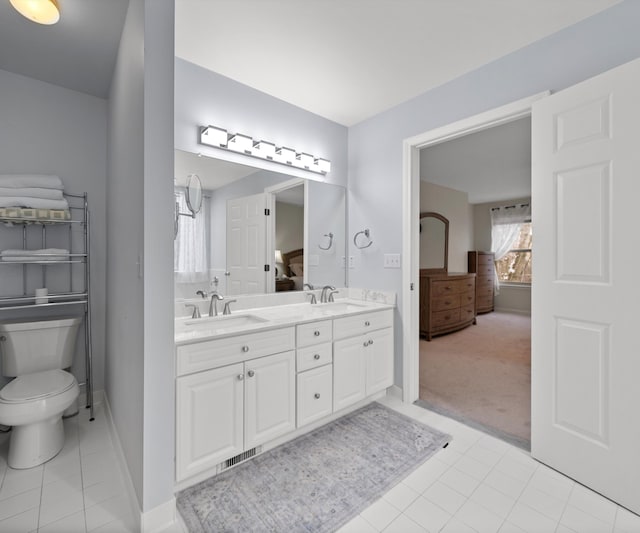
213, 136
241, 143
41, 11
238, 142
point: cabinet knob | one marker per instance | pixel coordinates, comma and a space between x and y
317, 395
240, 377
370, 341
245, 348
365, 343
367, 323
316, 356
316, 333
251, 373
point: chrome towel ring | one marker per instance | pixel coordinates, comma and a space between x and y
330, 236
367, 236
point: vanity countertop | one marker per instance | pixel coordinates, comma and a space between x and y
189, 330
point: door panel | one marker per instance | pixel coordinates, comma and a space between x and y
585, 346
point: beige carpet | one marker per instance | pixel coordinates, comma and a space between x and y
482, 375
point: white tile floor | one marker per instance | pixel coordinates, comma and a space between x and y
79, 490
476, 484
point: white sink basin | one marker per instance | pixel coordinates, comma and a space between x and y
338, 307
223, 322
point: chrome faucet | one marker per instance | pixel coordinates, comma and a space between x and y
202, 293
323, 296
196, 310
213, 304
313, 298
307, 286
227, 309
331, 295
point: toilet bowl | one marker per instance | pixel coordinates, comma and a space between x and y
33, 404
34, 401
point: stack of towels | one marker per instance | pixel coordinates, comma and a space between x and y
27, 256
35, 191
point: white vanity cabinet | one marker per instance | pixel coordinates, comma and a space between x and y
224, 411
362, 356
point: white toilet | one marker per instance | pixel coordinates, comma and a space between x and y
33, 403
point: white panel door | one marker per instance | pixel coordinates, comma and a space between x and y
585, 341
246, 245
349, 371
270, 398
209, 419
379, 356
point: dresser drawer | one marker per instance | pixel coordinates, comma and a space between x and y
350, 326
313, 356
467, 312
484, 302
466, 286
314, 333
315, 398
468, 298
444, 287
219, 352
445, 318
485, 281
485, 259
484, 291
446, 302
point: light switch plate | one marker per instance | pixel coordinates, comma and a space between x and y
391, 260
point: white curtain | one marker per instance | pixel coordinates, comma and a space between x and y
506, 223
190, 248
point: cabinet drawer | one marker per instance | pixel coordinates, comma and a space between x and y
445, 318
219, 352
467, 285
313, 356
485, 282
485, 259
446, 302
349, 326
485, 291
314, 394
314, 333
468, 298
484, 302
444, 287
467, 312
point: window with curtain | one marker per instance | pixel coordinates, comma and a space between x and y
511, 237
191, 245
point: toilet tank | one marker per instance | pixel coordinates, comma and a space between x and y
27, 347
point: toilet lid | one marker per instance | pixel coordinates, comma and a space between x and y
37, 385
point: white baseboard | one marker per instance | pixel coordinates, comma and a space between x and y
124, 470
395, 392
159, 518
514, 311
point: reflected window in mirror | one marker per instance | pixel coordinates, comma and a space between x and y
434, 243
191, 245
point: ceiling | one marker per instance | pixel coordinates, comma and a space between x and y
490, 165
345, 60
213, 173
78, 53
348, 60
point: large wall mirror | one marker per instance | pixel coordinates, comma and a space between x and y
227, 245
434, 243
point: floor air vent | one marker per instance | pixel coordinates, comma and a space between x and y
240, 458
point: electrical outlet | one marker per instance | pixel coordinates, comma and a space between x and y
352, 262
391, 260
344, 261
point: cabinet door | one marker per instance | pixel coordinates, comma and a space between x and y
314, 394
379, 357
349, 371
270, 396
209, 426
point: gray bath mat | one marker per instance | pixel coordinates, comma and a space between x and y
317, 482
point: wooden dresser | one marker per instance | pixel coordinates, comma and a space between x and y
481, 263
447, 302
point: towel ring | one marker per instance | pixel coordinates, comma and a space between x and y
366, 234
330, 235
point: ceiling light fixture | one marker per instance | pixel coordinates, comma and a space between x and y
40, 11
240, 143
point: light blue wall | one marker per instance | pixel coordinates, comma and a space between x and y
581, 51
204, 97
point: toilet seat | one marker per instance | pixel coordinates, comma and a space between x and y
37, 386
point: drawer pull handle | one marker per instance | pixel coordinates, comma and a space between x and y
316, 356
251, 373
365, 344
367, 323
370, 341
240, 377
447, 302
316, 333
245, 348
317, 395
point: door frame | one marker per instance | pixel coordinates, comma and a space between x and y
410, 213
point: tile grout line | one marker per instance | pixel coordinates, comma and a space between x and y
40, 504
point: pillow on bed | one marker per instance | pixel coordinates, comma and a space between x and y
296, 268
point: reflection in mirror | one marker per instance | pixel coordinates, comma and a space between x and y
226, 247
434, 242
193, 194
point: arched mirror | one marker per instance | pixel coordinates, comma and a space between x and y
434, 243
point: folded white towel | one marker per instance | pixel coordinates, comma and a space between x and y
32, 192
36, 203
44, 254
17, 181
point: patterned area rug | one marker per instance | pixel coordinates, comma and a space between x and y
317, 482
